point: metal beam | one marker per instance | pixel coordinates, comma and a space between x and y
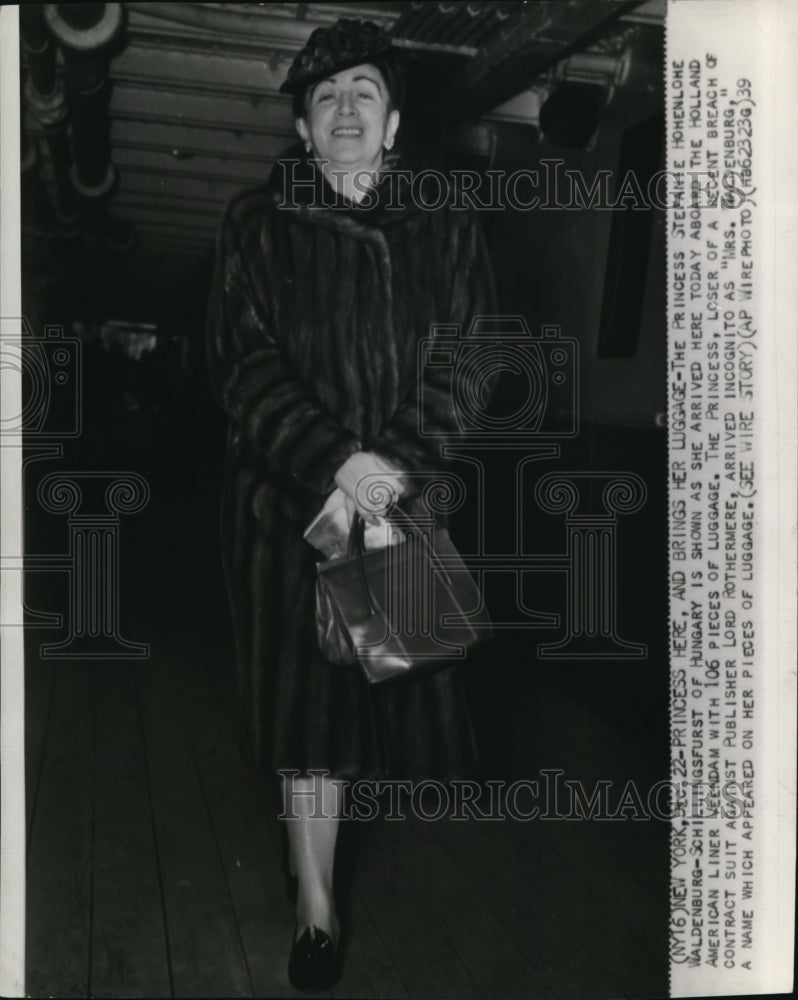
534, 37
259, 22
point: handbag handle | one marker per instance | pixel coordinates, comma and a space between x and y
407, 521
355, 551
356, 548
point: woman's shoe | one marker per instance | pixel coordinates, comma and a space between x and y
314, 963
291, 881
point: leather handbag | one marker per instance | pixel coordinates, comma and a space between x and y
401, 609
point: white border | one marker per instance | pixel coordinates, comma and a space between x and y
12, 684
778, 461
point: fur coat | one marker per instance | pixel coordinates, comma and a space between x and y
316, 311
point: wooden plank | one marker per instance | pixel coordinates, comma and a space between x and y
529, 918
596, 751
224, 684
607, 877
201, 73
368, 970
491, 958
59, 859
154, 168
129, 947
143, 207
39, 678
627, 863
529, 900
210, 169
262, 115
171, 226
159, 249
425, 960
606, 929
204, 943
215, 142
166, 205
249, 857
510, 884
182, 190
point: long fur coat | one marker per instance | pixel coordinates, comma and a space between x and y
316, 311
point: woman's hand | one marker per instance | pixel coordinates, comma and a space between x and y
372, 484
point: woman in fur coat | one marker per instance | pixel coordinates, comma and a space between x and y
327, 278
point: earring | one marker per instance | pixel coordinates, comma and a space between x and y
307, 146
388, 143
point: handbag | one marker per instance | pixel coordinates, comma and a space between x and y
402, 609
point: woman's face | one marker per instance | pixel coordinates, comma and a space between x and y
349, 118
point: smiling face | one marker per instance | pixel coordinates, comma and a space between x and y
349, 119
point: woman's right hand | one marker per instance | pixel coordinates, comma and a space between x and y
371, 483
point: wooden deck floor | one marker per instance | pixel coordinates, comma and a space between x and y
153, 864
154, 869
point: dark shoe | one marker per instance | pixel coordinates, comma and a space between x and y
291, 881
314, 963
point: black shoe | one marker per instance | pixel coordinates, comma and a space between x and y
291, 881
314, 963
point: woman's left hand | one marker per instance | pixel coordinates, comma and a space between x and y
379, 532
371, 483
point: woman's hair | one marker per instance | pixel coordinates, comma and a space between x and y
391, 73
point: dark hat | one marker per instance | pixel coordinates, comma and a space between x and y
346, 43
